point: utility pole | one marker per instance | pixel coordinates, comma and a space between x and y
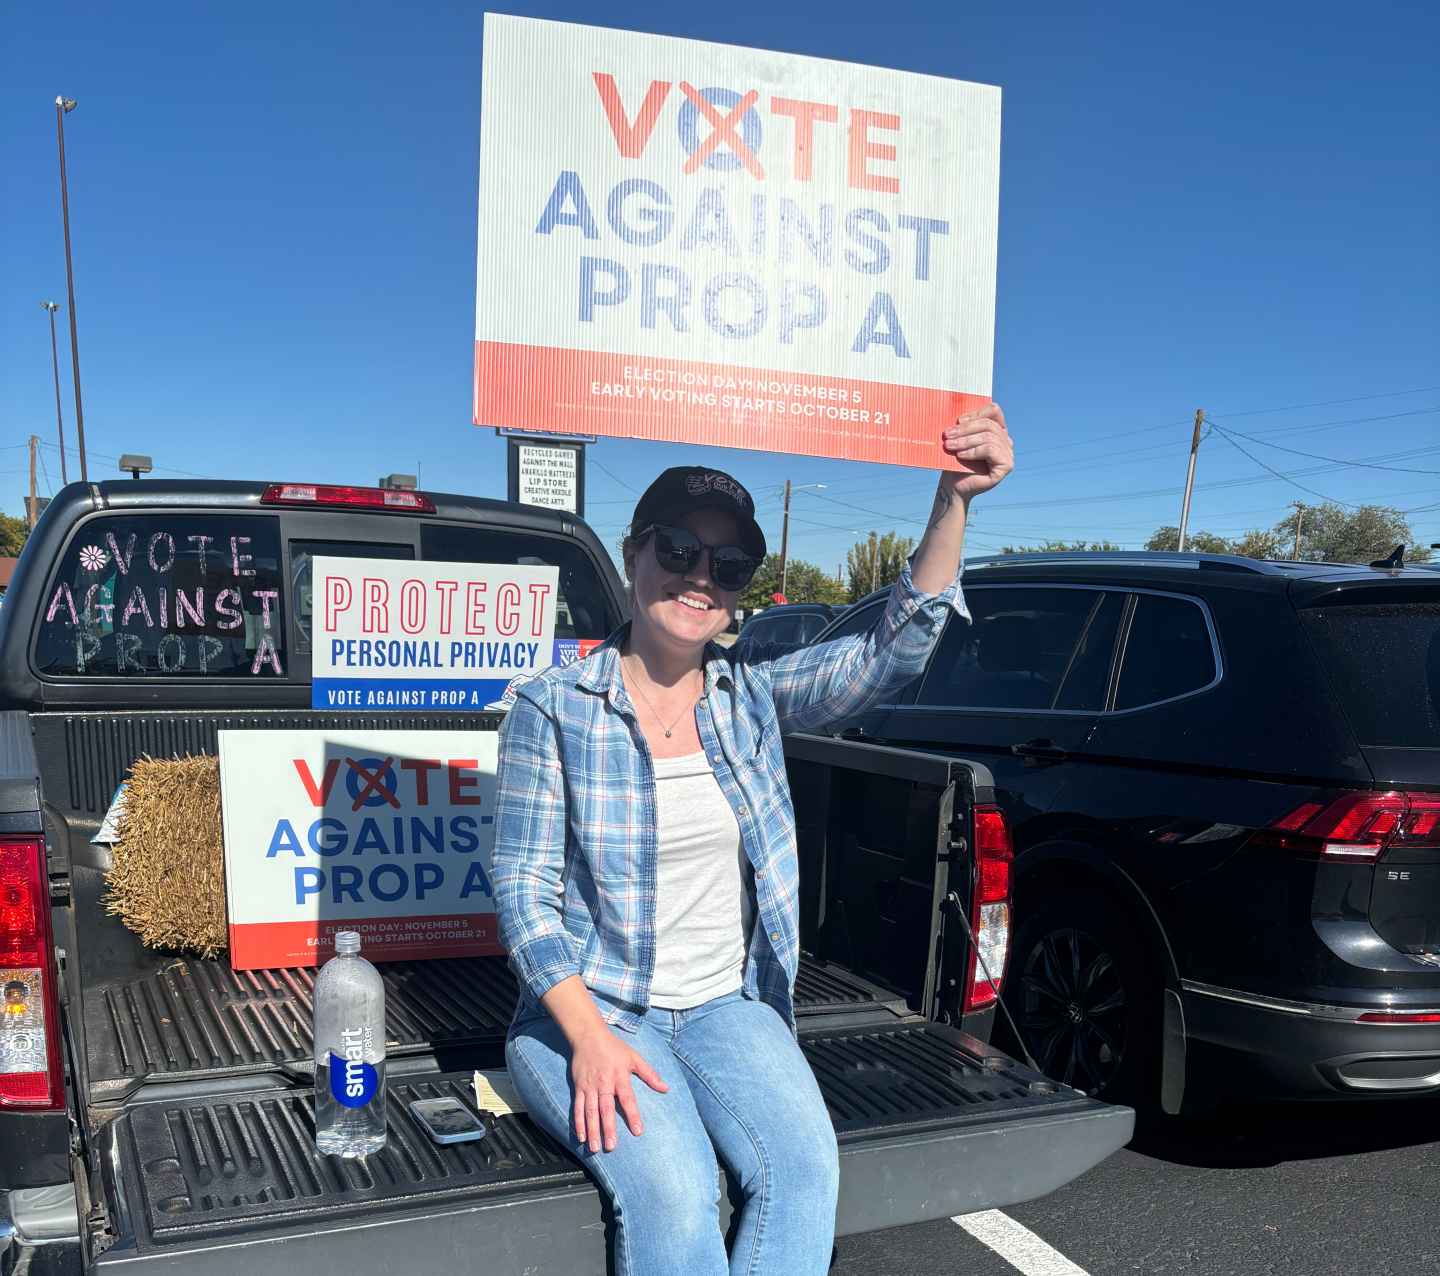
785, 540
64, 105
874, 563
1299, 523
51, 307
32, 506
1190, 476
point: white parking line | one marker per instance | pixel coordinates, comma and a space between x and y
1017, 1245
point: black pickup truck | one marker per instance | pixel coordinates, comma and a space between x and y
156, 1109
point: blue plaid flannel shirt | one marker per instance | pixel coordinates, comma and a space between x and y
575, 830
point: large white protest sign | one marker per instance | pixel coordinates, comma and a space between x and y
386, 832
697, 242
427, 635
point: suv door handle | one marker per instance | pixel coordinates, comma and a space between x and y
1039, 752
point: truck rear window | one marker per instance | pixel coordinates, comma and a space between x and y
1384, 664
582, 609
166, 596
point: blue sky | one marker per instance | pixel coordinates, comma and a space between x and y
1228, 206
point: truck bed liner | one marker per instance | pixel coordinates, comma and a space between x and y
193, 1017
199, 1175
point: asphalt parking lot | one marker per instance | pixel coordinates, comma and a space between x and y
1302, 1189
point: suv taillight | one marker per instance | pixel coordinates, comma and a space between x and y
370, 498
30, 1075
990, 912
1360, 826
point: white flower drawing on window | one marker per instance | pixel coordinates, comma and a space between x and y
93, 558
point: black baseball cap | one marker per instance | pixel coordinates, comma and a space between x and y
686, 488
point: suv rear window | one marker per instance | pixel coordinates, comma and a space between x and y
1384, 664
166, 596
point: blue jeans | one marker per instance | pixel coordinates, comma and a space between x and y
740, 1089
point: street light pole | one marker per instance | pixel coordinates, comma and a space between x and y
51, 307
64, 105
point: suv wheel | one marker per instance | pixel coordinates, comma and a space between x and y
1085, 998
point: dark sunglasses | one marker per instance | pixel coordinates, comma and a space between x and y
677, 550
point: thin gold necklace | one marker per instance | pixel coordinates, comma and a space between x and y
655, 715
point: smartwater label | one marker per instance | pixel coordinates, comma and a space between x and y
353, 1082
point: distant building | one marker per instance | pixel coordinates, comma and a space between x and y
7, 570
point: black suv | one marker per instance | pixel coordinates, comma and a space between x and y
1223, 777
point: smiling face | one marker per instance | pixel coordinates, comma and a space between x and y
680, 613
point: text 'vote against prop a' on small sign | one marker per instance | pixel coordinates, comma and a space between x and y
731, 246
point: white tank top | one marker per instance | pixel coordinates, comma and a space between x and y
704, 905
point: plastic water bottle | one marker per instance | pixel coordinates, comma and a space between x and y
349, 1053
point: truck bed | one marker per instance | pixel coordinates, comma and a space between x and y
198, 1080
189, 1018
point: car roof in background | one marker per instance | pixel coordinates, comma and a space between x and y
1212, 566
1160, 567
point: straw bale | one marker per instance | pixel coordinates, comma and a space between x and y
167, 879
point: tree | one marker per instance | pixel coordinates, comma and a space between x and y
1333, 534
13, 534
1053, 547
804, 583
874, 563
1328, 533
1259, 544
1196, 542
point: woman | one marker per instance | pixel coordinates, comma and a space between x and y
645, 878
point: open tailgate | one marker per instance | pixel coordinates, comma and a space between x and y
931, 1123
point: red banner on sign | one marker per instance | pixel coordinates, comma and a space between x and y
683, 401
268, 945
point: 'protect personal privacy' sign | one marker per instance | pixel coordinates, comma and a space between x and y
412, 635
386, 832
695, 242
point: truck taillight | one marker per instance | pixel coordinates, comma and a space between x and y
30, 1075
990, 913
1358, 826
370, 498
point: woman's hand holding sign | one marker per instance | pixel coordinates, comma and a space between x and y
981, 442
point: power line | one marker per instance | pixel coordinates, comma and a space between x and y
1330, 403
1108, 497
1235, 443
605, 469
1352, 420
1289, 429
1315, 456
105, 456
